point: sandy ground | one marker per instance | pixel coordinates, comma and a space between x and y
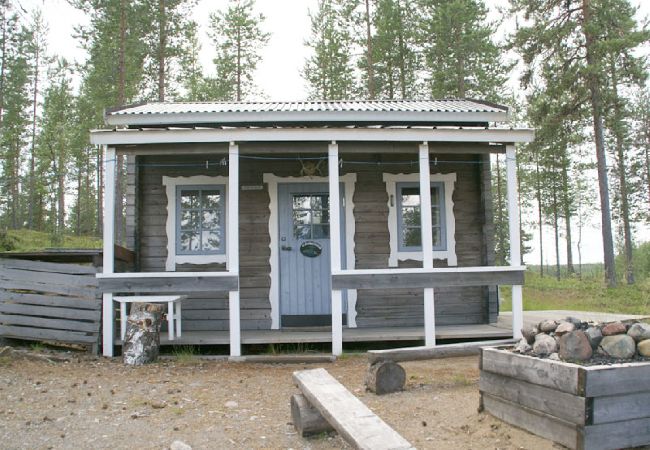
98, 403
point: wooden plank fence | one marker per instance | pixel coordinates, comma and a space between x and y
46, 301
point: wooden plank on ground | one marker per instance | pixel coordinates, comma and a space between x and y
47, 335
440, 351
171, 285
40, 266
620, 407
554, 374
50, 300
354, 421
47, 311
42, 322
571, 408
544, 425
617, 379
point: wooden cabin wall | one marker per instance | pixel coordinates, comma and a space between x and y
374, 308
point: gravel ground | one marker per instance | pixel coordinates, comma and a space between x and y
85, 402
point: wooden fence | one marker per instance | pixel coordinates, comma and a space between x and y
46, 301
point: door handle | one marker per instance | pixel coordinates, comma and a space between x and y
286, 248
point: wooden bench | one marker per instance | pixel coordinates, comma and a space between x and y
353, 420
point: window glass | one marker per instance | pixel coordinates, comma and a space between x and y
311, 216
409, 220
200, 218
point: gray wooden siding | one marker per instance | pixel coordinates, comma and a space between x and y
385, 308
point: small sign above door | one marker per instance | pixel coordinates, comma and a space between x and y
311, 249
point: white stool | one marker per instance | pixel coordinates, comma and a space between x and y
173, 310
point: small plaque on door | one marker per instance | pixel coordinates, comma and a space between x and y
311, 249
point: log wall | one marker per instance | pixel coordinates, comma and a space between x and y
401, 307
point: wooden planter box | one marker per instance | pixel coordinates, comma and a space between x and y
596, 407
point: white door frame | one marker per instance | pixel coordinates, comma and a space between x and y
349, 180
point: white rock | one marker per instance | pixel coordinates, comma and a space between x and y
544, 345
231, 404
179, 445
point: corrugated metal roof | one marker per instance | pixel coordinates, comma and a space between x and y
306, 112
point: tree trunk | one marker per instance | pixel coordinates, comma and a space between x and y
142, 339
557, 235
162, 44
385, 377
538, 194
369, 59
79, 196
121, 60
603, 185
306, 419
402, 51
3, 66
32, 154
566, 204
239, 43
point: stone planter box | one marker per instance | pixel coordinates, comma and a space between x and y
596, 407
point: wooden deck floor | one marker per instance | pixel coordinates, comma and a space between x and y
349, 335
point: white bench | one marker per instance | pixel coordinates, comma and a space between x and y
353, 420
173, 311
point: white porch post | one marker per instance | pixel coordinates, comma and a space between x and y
108, 312
513, 228
232, 247
427, 243
335, 246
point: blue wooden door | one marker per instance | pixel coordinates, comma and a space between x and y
305, 283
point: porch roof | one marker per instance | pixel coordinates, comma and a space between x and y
308, 113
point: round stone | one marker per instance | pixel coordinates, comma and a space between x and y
547, 326
639, 331
529, 332
575, 346
620, 346
644, 348
595, 336
614, 328
564, 327
544, 345
523, 346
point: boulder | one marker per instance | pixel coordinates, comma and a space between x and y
523, 346
644, 348
619, 346
595, 336
547, 326
529, 332
574, 320
639, 331
614, 328
575, 346
564, 328
544, 345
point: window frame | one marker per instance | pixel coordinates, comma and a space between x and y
170, 185
400, 222
223, 224
398, 254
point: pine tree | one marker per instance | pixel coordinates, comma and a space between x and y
577, 29
238, 39
329, 71
461, 58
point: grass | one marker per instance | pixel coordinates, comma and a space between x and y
185, 353
30, 240
586, 294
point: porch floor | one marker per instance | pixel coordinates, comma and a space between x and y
287, 336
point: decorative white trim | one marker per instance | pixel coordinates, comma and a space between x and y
349, 180
170, 184
449, 179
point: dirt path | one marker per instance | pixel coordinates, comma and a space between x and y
98, 403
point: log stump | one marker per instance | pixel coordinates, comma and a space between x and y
385, 377
141, 343
306, 419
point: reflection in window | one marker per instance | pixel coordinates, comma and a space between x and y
311, 216
409, 221
200, 217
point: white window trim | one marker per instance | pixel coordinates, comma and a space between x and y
170, 184
272, 181
449, 180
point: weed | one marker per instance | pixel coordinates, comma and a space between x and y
185, 353
37, 347
461, 380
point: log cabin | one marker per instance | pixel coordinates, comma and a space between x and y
312, 221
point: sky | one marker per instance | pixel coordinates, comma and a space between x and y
279, 73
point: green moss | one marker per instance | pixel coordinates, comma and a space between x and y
30, 241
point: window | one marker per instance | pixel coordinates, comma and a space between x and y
200, 220
311, 217
408, 220
405, 231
